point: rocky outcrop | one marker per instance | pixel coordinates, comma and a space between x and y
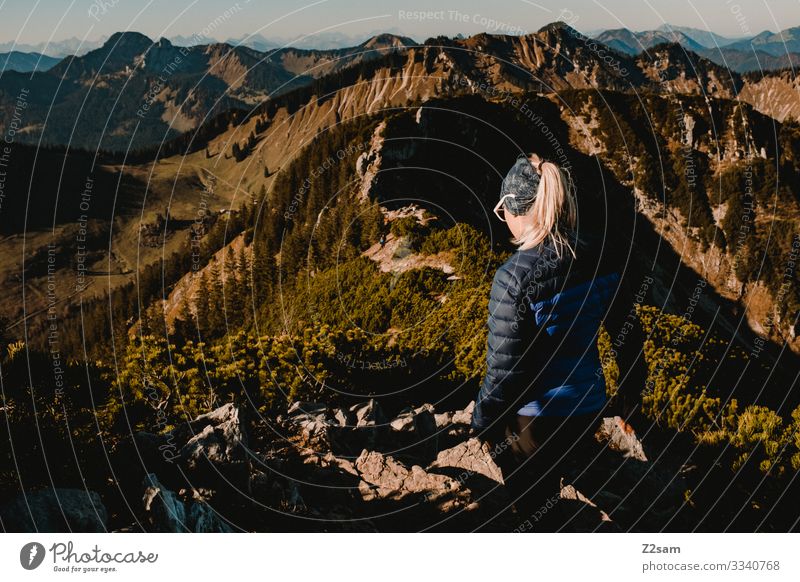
382, 477
178, 476
211, 445
356, 468
470, 458
165, 512
621, 437
55, 510
217, 437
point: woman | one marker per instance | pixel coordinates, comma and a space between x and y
544, 389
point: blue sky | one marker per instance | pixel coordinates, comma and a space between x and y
33, 21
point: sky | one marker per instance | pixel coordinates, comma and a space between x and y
36, 21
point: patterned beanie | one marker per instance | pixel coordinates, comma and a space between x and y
521, 182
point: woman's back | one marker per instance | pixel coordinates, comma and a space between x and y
545, 311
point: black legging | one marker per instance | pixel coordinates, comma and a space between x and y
531, 458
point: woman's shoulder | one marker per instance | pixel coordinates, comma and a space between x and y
521, 268
540, 267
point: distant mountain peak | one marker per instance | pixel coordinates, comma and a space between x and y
559, 26
388, 40
128, 39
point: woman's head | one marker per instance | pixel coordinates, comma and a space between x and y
537, 202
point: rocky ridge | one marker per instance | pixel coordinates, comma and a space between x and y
352, 468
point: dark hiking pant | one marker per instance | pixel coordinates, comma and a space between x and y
532, 458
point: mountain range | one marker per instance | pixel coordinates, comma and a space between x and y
765, 51
26, 62
239, 105
150, 91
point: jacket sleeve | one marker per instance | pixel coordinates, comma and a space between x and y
510, 332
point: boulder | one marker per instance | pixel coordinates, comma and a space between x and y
343, 417
621, 438
165, 512
311, 421
404, 421
368, 414
383, 477
307, 409
211, 445
467, 459
576, 512
414, 432
218, 436
55, 511
464, 416
203, 519
444, 419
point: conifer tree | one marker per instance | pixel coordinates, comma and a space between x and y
233, 296
244, 284
201, 302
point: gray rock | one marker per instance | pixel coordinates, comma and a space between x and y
424, 421
55, 511
165, 512
311, 420
343, 417
313, 430
203, 519
222, 439
369, 430
310, 409
368, 413
579, 513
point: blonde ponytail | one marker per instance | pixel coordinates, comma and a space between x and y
553, 212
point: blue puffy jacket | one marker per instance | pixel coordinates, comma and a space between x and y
544, 316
